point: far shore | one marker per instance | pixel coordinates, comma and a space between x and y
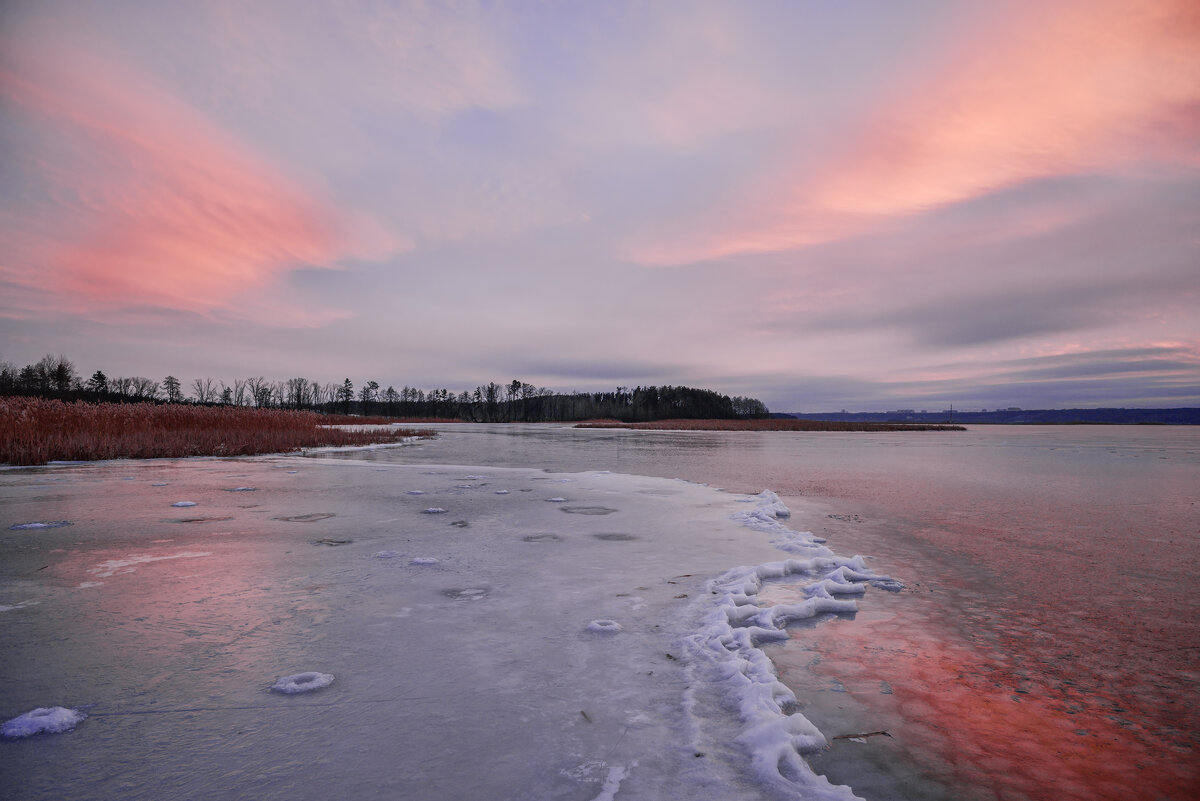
769, 424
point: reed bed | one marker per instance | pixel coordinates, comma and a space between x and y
35, 431
769, 424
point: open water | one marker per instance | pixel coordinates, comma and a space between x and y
1047, 642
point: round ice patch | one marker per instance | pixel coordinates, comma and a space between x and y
302, 682
386, 554
44, 524
50, 720
604, 626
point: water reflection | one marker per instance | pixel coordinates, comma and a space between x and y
1046, 647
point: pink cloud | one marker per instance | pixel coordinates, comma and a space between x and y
151, 203
1045, 90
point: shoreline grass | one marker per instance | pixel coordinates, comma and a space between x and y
34, 431
769, 424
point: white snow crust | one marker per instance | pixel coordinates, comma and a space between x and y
724, 657
43, 720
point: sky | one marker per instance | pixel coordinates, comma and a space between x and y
858, 205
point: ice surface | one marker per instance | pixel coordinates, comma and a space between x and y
601, 649
112, 567
43, 720
302, 682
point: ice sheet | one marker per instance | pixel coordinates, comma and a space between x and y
601, 646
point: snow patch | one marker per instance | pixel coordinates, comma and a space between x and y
302, 682
435, 510
43, 720
424, 560
612, 781
184, 503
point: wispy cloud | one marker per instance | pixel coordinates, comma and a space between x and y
136, 199
1032, 90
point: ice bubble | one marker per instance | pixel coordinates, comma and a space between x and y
556, 500
50, 720
435, 510
386, 554
424, 560
501, 492
604, 626
184, 503
302, 682
45, 524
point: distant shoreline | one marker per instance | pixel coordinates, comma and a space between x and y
1012, 416
768, 424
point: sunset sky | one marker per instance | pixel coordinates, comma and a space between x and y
825, 205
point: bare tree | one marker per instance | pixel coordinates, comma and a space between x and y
260, 391
145, 388
204, 390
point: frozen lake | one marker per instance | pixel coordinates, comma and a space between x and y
1047, 643
291, 628
521, 646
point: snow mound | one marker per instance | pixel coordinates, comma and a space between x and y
48, 720
604, 626
302, 682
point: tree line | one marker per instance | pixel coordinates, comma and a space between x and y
517, 401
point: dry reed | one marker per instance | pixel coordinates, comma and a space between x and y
36, 431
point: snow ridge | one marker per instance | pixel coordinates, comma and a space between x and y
725, 662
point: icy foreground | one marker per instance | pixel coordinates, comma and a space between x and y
603, 644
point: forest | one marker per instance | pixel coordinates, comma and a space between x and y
55, 377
